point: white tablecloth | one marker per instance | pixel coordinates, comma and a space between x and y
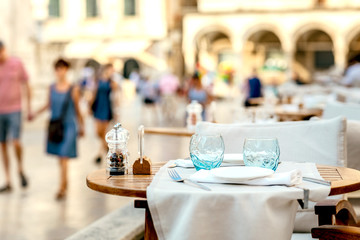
181, 211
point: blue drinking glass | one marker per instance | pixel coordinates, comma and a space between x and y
206, 151
261, 152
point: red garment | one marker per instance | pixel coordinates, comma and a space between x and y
12, 77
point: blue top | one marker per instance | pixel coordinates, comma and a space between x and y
102, 104
198, 95
57, 101
149, 90
254, 87
66, 148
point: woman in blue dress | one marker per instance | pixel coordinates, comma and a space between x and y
63, 94
102, 105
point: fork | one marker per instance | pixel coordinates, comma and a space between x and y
319, 181
176, 177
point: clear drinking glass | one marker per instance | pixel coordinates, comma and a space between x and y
261, 152
207, 151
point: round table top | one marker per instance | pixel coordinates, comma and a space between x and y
343, 180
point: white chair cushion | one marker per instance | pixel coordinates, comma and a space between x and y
322, 141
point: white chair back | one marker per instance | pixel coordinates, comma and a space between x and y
322, 142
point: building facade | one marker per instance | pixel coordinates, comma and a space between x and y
144, 32
312, 38
103, 31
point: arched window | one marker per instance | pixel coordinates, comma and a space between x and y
91, 8
129, 7
54, 8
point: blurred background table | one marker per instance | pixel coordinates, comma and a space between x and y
299, 115
171, 131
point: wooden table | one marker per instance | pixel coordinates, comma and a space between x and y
182, 132
302, 114
343, 180
256, 101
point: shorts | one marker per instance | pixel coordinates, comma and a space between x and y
10, 126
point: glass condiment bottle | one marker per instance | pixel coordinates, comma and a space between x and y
118, 155
194, 111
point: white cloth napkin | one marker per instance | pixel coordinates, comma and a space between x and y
289, 178
184, 163
229, 211
233, 158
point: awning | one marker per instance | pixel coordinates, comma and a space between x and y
124, 48
82, 48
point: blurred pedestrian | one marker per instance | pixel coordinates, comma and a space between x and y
135, 78
149, 92
197, 92
168, 86
253, 89
63, 104
13, 79
102, 105
87, 85
352, 74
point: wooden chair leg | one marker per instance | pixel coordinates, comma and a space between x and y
335, 212
337, 221
150, 233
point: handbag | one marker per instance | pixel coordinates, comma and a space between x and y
56, 126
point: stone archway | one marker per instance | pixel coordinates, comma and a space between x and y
263, 51
130, 65
314, 53
212, 46
354, 47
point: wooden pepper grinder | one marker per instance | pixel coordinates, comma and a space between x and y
142, 165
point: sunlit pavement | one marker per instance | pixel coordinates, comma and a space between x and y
33, 213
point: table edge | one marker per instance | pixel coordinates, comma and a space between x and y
335, 190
